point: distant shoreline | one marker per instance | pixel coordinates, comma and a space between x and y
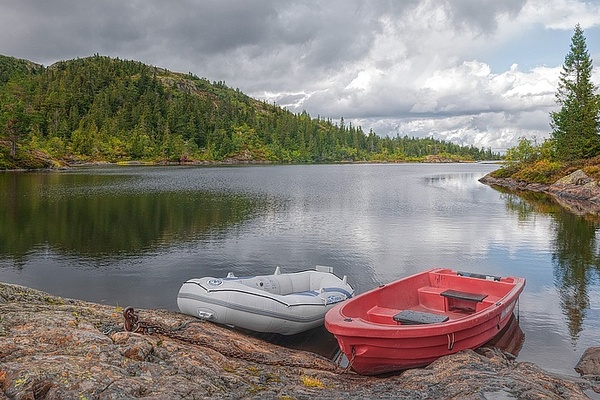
134, 163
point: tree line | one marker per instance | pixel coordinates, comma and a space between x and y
102, 108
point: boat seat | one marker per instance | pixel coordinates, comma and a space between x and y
463, 302
455, 294
382, 315
412, 317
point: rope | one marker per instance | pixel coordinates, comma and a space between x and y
450, 341
350, 361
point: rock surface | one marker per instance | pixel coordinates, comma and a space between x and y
576, 192
56, 348
589, 364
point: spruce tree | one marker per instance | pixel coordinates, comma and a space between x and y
576, 126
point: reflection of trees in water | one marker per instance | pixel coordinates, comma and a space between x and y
576, 256
575, 261
108, 224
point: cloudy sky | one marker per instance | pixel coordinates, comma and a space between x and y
481, 72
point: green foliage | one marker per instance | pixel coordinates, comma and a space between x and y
576, 126
506, 171
527, 151
542, 171
11, 67
24, 157
100, 108
530, 162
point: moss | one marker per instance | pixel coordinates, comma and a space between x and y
255, 389
311, 382
505, 172
543, 171
546, 171
52, 300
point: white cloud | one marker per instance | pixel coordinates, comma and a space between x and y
561, 14
421, 77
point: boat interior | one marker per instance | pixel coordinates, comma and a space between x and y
434, 297
308, 283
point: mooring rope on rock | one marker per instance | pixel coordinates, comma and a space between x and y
133, 324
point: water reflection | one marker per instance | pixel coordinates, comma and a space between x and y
79, 220
575, 266
510, 339
575, 253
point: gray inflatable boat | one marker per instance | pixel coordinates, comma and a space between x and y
281, 303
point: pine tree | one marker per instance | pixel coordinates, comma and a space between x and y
576, 126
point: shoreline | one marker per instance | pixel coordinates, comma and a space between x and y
53, 347
577, 192
48, 164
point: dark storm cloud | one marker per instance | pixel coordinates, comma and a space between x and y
53, 30
49, 31
205, 37
212, 27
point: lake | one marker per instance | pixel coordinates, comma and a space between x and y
130, 236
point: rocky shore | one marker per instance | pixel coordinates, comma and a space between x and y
57, 348
576, 192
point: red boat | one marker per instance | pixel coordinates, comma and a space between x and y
415, 320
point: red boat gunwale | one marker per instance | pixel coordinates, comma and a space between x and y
375, 342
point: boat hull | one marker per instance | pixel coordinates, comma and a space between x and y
375, 343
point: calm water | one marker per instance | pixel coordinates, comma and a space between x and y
131, 236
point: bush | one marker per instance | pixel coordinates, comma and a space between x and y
527, 151
542, 171
593, 171
506, 171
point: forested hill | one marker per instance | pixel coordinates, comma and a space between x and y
101, 108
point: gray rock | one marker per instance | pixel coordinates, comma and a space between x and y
576, 192
56, 348
589, 363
